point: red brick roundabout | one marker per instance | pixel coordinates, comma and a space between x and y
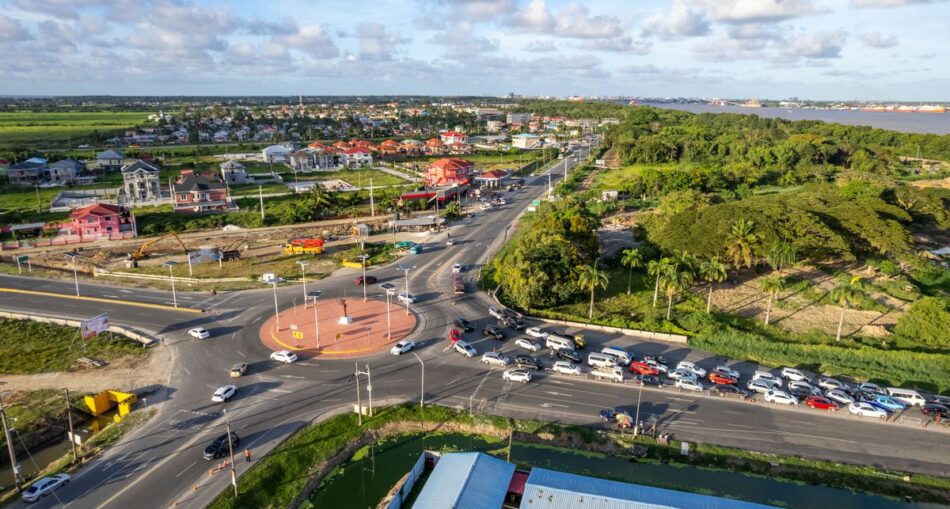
366, 333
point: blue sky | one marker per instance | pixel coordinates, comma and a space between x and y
816, 49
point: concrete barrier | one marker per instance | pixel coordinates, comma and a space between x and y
159, 277
146, 340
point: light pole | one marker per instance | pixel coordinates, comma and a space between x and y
406, 270
636, 419
72, 256
316, 318
227, 422
389, 322
303, 277
422, 391
276, 309
363, 258
171, 277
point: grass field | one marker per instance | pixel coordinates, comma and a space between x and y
40, 130
32, 347
356, 177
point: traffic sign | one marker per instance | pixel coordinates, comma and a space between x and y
22, 258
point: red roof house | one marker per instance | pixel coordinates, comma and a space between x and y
449, 171
100, 220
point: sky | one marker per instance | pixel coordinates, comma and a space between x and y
812, 49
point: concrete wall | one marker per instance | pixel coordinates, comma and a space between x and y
405, 485
141, 337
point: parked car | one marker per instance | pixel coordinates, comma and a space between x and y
517, 375
692, 367
402, 347
688, 384
839, 396
870, 387
569, 355
728, 391
803, 385
820, 403
794, 374
494, 331
642, 368
219, 446
862, 409
720, 378
886, 403
512, 323
681, 374
526, 344
781, 397
760, 386
566, 368
830, 383
222, 394
496, 312
495, 359
799, 392
527, 361
536, 332
939, 400
935, 410
456, 268
729, 371
368, 280
611, 373
464, 324
649, 380
285, 356
44, 487
238, 369
908, 397
657, 364
769, 377
455, 335
465, 349
199, 333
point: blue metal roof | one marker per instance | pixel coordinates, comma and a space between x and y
466, 480
548, 489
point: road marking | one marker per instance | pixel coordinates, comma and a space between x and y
801, 422
293, 376
549, 405
183, 368
257, 319
282, 391
240, 353
555, 393
186, 469
738, 425
733, 412
313, 364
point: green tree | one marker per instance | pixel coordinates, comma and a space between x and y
846, 295
657, 269
781, 255
772, 285
741, 243
712, 271
633, 259
452, 211
926, 322
591, 278
675, 280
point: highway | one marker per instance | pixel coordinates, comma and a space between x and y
161, 461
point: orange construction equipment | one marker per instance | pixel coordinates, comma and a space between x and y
301, 245
106, 400
142, 251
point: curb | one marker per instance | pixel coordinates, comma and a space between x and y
104, 299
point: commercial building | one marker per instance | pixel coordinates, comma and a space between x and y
466, 480
526, 141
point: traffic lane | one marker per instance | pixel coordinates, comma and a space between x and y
67, 287
152, 320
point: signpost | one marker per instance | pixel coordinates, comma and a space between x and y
23, 259
94, 326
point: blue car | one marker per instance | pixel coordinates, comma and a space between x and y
885, 403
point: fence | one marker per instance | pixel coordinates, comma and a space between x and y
146, 339
408, 483
64, 240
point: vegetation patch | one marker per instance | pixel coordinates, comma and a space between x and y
31, 347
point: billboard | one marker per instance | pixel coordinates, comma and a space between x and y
95, 325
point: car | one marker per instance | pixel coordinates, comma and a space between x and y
456, 268
199, 333
496, 312
820, 403
285, 356
649, 380
830, 383
768, 377
681, 374
803, 385
869, 387
569, 355
465, 349
609, 414
527, 361
222, 394
728, 391
455, 335
494, 331
517, 375
406, 298
44, 486
368, 280
238, 369
688, 384
567, 368
936, 410
759, 385
527, 344
780, 397
862, 409
839, 396
536, 332
642, 368
464, 324
512, 323
939, 400
495, 359
720, 378
886, 403
579, 341
800, 392
220, 447
402, 347
450, 242
689, 366
729, 371
794, 374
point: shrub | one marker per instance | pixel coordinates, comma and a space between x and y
927, 322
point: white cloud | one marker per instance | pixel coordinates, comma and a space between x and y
740, 11
879, 40
376, 43
540, 46
534, 17
888, 3
682, 21
311, 39
819, 45
619, 45
12, 30
573, 21
461, 42
479, 10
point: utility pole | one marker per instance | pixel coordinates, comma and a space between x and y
231, 453
72, 436
303, 277
73, 257
363, 258
359, 404
369, 388
422, 391
406, 270
372, 204
636, 419
6, 432
276, 309
260, 195
316, 317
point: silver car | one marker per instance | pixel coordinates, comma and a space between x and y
44, 487
495, 359
517, 375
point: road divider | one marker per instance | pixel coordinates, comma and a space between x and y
148, 305
141, 337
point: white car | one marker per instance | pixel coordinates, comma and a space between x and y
794, 374
456, 268
839, 396
830, 383
223, 394
199, 333
863, 409
759, 385
536, 332
768, 378
801, 384
689, 385
406, 298
657, 365
285, 356
781, 397
693, 368
402, 347
517, 375
465, 349
729, 371
495, 359
528, 345
44, 487
681, 374
567, 368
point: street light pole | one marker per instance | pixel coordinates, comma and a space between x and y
6, 431
389, 322
231, 452
636, 419
171, 277
406, 270
363, 264
303, 277
276, 309
316, 317
422, 391
73, 257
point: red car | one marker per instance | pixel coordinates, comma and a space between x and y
455, 335
370, 280
642, 368
720, 378
820, 403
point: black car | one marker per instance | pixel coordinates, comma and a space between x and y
512, 323
494, 331
800, 392
569, 355
464, 324
936, 410
939, 400
608, 414
527, 361
649, 380
219, 447
729, 391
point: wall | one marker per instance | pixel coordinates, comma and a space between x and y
405, 485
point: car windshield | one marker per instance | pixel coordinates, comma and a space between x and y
32, 489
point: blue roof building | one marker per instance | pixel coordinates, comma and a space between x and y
467, 480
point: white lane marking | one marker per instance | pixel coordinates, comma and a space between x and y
242, 353
293, 376
555, 393
733, 412
738, 425
549, 405
801, 422
183, 368
282, 391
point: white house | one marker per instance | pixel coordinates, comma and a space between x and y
453, 137
355, 157
233, 172
526, 141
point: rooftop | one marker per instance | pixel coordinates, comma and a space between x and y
467, 480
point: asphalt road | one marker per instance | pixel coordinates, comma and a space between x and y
161, 462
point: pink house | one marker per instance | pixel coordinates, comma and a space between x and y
100, 220
194, 192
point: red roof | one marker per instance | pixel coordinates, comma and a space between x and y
494, 175
453, 133
96, 209
434, 142
452, 163
316, 144
518, 480
355, 150
390, 143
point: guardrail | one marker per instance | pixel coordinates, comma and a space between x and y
146, 340
159, 277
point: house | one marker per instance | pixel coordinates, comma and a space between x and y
526, 141
33, 171
195, 192
411, 147
434, 147
448, 171
67, 171
493, 126
312, 159
518, 118
275, 154
109, 160
233, 172
389, 147
453, 137
100, 220
141, 182
493, 179
355, 157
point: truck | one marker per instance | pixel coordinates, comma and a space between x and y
303, 245
458, 285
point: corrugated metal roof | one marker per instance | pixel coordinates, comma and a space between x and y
466, 480
549, 489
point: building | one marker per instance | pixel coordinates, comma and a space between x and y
411, 147
526, 141
448, 171
494, 126
492, 179
67, 171
355, 157
32, 172
100, 220
194, 192
109, 160
141, 182
313, 159
518, 118
466, 480
233, 172
434, 146
275, 154
453, 138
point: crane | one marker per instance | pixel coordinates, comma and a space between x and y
142, 251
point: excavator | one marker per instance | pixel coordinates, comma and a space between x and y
142, 251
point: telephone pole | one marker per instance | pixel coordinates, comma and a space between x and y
227, 422
369, 388
359, 404
6, 432
72, 435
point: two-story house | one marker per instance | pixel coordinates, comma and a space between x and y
233, 172
109, 160
67, 171
33, 171
355, 157
449, 171
141, 182
195, 192
101, 221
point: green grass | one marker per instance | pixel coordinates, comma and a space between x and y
252, 190
358, 177
42, 129
32, 347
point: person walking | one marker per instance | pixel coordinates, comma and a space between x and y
247, 455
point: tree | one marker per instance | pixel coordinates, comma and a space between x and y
590, 278
658, 268
741, 243
772, 285
712, 271
675, 280
781, 255
452, 211
926, 322
846, 295
632, 258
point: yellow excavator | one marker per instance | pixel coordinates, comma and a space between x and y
142, 251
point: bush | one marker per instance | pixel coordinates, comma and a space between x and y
927, 322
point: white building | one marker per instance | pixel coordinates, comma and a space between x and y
275, 154
355, 158
526, 141
233, 172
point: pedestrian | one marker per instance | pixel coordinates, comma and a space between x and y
247, 455
163, 340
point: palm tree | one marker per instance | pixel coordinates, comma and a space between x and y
781, 255
658, 268
741, 243
632, 258
675, 280
590, 278
845, 295
772, 285
712, 271
684, 259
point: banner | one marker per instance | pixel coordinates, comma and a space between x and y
94, 326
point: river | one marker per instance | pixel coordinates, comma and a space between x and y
362, 483
910, 122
